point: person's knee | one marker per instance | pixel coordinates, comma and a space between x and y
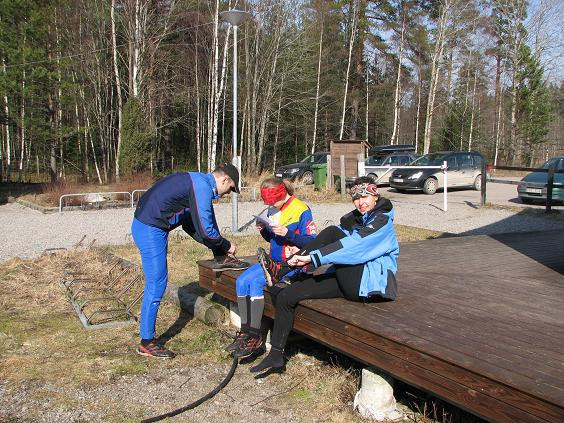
257, 289
286, 299
333, 229
241, 287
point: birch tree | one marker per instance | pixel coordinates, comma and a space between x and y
353, 26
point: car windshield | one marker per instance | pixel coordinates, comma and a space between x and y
313, 158
373, 161
550, 162
433, 159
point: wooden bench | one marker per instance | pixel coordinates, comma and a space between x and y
479, 322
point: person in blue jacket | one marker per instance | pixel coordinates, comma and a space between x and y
289, 226
180, 199
363, 250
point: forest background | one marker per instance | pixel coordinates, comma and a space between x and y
100, 89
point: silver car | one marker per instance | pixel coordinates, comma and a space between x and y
376, 167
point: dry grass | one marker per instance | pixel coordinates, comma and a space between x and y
49, 194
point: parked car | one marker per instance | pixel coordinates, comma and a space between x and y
302, 170
384, 150
464, 169
375, 166
533, 186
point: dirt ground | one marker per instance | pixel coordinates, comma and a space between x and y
54, 370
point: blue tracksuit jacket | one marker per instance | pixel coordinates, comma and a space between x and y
184, 198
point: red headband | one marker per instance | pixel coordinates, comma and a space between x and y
272, 195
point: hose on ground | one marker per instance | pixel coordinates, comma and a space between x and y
203, 399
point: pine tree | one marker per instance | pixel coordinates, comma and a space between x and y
534, 111
136, 148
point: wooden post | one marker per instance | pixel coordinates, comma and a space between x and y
360, 171
329, 173
343, 188
484, 181
549, 184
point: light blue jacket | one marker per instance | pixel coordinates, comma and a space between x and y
371, 239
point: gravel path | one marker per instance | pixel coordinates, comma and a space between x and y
27, 233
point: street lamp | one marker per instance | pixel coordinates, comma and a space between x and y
235, 18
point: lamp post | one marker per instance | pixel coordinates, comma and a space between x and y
235, 18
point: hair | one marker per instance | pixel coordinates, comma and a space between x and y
220, 170
273, 181
363, 180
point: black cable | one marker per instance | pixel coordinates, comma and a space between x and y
206, 397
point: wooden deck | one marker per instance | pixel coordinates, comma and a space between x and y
479, 321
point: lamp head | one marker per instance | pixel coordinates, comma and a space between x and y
235, 17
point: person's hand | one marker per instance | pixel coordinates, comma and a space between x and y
291, 250
232, 250
299, 261
260, 226
279, 230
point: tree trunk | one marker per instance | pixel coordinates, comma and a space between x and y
267, 100
351, 43
212, 78
217, 99
118, 88
316, 99
7, 124
419, 82
472, 114
278, 122
437, 55
395, 132
499, 103
22, 121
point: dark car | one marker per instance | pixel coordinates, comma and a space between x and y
464, 169
384, 150
302, 170
533, 186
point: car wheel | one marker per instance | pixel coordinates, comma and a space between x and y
307, 178
373, 176
526, 200
430, 186
477, 185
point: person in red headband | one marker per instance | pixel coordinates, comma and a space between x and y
288, 226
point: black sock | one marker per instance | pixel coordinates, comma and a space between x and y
274, 360
146, 342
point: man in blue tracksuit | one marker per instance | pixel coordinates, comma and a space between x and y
363, 250
181, 199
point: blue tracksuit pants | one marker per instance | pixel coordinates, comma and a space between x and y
251, 282
152, 243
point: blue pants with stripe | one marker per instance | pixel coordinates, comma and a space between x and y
153, 245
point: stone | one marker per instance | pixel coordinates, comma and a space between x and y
375, 399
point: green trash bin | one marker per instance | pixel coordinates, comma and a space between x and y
319, 175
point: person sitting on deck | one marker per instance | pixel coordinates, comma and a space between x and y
292, 228
363, 250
